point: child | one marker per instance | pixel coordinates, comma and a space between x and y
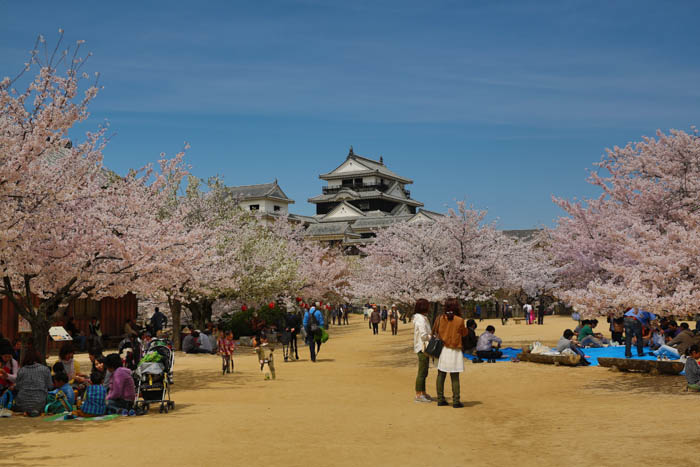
95, 400
60, 382
264, 351
692, 370
226, 347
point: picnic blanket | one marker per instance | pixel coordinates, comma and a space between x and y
592, 354
508, 353
63, 417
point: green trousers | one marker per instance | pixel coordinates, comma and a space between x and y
441, 386
422, 371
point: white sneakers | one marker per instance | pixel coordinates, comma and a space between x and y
5, 413
423, 398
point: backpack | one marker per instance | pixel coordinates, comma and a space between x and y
383, 314
313, 322
56, 402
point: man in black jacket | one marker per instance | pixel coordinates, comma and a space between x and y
292, 326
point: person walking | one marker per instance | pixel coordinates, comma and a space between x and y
527, 308
346, 312
313, 322
291, 325
374, 319
634, 320
394, 320
540, 312
477, 313
385, 317
421, 336
450, 328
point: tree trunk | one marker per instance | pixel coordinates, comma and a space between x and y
201, 311
176, 314
40, 335
646, 366
568, 360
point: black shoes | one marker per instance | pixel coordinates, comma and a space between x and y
477, 360
442, 403
457, 405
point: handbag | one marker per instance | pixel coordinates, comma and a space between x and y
435, 344
434, 347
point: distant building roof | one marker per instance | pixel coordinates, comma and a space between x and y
523, 234
260, 191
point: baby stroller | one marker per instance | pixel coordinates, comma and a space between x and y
154, 376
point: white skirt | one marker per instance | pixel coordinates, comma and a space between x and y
451, 361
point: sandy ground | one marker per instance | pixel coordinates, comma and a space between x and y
355, 407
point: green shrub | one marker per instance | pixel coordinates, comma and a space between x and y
239, 322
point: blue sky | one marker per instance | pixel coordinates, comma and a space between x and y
499, 103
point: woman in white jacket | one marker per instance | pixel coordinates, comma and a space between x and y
421, 336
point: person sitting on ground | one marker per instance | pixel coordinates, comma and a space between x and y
618, 330
672, 331
8, 366
485, 349
568, 341
33, 384
95, 399
692, 370
74, 332
122, 391
657, 338
588, 338
70, 366
470, 340
8, 375
60, 383
188, 341
678, 345
201, 343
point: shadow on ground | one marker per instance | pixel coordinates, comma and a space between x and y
641, 383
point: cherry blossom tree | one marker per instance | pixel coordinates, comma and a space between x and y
637, 244
69, 228
457, 255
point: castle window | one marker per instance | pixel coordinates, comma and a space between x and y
254, 207
276, 208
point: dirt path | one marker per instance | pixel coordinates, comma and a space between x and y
355, 407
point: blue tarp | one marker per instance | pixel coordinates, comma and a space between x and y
508, 353
592, 354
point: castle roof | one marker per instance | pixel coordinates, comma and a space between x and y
261, 191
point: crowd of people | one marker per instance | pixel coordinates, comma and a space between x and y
376, 315
34, 388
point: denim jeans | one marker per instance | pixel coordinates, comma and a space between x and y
667, 351
633, 328
590, 341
